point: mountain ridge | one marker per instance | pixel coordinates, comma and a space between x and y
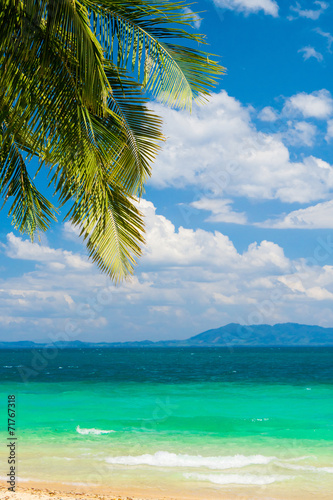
230, 335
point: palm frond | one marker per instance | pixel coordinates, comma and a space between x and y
30, 210
112, 227
141, 32
141, 130
73, 75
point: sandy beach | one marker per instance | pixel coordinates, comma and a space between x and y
55, 491
46, 491
60, 492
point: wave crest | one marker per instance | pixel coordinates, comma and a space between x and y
166, 459
93, 431
237, 478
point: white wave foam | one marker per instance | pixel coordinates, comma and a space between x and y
297, 459
166, 459
94, 431
309, 468
237, 478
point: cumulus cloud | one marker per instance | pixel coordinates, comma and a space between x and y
318, 216
187, 281
185, 247
318, 104
300, 133
256, 285
329, 134
313, 283
269, 7
218, 151
221, 211
71, 232
18, 248
268, 114
309, 52
313, 14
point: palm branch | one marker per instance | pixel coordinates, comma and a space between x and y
75, 78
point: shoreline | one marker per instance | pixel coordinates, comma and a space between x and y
60, 491
32, 490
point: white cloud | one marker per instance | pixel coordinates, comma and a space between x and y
187, 282
267, 254
17, 248
300, 133
329, 134
219, 153
309, 52
305, 281
196, 19
297, 288
71, 232
326, 35
318, 104
318, 216
313, 14
268, 114
270, 7
185, 247
221, 211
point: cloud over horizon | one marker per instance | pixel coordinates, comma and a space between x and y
318, 216
187, 281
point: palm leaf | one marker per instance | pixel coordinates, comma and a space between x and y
139, 31
30, 210
111, 225
72, 77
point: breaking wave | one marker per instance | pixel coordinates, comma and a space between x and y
166, 459
93, 431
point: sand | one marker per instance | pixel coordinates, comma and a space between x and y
60, 493
55, 491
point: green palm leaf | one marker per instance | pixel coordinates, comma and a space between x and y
72, 77
139, 31
30, 210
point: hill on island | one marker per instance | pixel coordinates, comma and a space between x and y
233, 334
279, 334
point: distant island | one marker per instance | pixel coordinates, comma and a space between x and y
231, 335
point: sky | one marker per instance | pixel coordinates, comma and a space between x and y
238, 211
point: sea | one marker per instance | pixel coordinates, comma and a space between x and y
204, 421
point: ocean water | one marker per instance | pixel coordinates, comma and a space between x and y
203, 420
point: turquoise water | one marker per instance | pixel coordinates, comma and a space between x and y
204, 420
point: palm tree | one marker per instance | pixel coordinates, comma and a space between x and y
74, 80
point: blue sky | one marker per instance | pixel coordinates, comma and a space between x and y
239, 209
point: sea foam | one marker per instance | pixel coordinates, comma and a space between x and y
166, 459
93, 431
308, 468
237, 478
